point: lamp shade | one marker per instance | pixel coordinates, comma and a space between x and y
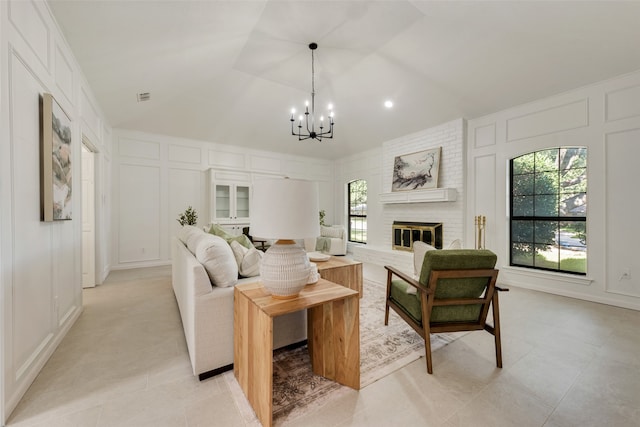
283, 208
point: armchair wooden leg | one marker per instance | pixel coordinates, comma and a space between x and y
386, 301
386, 313
427, 350
496, 329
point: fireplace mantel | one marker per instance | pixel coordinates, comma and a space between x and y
420, 196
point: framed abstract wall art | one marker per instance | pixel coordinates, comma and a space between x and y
416, 171
55, 161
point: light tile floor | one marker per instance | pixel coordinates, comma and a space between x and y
124, 363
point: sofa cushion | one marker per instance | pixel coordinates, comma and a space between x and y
218, 260
248, 260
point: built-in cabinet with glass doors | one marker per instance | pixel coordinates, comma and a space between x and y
230, 199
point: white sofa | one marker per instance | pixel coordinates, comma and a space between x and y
207, 313
332, 240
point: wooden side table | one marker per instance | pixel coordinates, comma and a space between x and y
333, 338
342, 270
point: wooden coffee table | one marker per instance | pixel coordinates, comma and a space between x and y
342, 270
333, 331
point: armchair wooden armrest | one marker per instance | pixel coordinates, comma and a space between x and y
410, 280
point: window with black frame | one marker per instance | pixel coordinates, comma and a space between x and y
549, 210
357, 191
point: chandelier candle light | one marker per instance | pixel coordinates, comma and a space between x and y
310, 117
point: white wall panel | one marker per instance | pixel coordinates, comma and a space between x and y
308, 170
186, 188
64, 74
265, 164
32, 256
623, 205
622, 103
218, 158
554, 119
139, 213
183, 154
139, 149
40, 276
485, 136
30, 24
89, 115
484, 200
65, 269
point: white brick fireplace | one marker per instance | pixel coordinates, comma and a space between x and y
451, 137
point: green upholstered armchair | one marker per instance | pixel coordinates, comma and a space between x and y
455, 290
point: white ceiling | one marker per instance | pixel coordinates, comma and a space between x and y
230, 71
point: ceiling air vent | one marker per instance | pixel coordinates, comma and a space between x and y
144, 96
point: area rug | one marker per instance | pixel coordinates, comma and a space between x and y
383, 350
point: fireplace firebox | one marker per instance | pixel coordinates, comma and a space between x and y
405, 233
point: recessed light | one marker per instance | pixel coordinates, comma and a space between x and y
388, 103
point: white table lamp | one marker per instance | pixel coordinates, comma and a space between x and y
285, 209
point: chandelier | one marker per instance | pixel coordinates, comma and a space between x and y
308, 130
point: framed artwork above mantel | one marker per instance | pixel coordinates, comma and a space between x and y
416, 171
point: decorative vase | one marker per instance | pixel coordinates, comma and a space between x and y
285, 269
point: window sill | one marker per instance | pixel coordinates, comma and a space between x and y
561, 277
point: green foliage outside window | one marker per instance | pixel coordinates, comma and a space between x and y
357, 211
548, 209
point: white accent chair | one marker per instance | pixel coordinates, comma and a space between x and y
332, 240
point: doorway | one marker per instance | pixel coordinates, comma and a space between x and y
88, 215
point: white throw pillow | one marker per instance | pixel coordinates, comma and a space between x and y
419, 249
251, 263
193, 240
239, 252
188, 231
334, 232
456, 244
217, 258
248, 260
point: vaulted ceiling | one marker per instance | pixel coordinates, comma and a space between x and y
230, 71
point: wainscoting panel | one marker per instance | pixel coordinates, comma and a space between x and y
139, 149
183, 154
484, 202
485, 136
139, 213
226, 159
186, 188
622, 103
32, 287
30, 24
622, 154
265, 164
555, 119
65, 266
89, 114
64, 74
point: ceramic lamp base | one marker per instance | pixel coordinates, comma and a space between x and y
285, 269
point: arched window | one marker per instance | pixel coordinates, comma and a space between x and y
549, 210
357, 191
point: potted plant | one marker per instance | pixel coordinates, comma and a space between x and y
188, 217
